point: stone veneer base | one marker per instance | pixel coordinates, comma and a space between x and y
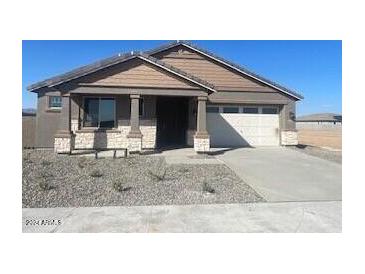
201, 145
134, 144
63, 144
289, 138
116, 138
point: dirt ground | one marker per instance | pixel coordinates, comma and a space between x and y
325, 138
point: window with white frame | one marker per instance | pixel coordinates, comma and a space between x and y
55, 102
99, 112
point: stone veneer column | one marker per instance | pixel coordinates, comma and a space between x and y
134, 136
289, 134
201, 137
64, 137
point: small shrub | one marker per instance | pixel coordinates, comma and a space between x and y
207, 188
82, 162
158, 175
184, 170
131, 161
96, 173
45, 175
119, 186
44, 185
45, 163
26, 158
158, 170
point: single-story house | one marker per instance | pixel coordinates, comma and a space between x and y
319, 120
175, 95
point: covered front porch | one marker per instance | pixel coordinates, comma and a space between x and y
115, 118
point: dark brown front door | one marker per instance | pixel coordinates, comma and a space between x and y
172, 114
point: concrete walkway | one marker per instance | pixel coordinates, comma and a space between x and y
281, 174
186, 156
255, 217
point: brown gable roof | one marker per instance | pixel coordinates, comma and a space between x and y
85, 70
230, 64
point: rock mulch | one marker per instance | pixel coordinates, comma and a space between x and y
51, 180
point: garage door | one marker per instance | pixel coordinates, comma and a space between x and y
243, 126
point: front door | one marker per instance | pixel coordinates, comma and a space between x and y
172, 114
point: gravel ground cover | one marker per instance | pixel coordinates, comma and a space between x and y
330, 155
51, 180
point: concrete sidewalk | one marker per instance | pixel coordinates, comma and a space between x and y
254, 217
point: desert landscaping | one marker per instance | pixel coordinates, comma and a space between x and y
326, 138
325, 143
51, 180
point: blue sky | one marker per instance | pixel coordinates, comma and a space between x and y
313, 68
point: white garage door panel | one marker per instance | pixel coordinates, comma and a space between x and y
238, 129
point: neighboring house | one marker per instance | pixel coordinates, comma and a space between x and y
319, 120
176, 95
28, 128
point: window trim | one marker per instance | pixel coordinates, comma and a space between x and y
49, 102
242, 106
99, 97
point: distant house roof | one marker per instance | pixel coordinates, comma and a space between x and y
320, 117
28, 112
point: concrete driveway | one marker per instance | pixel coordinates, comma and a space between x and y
281, 174
253, 217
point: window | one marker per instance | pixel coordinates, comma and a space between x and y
250, 110
269, 110
213, 109
230, 110
55, 101
141, 107
99, 112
